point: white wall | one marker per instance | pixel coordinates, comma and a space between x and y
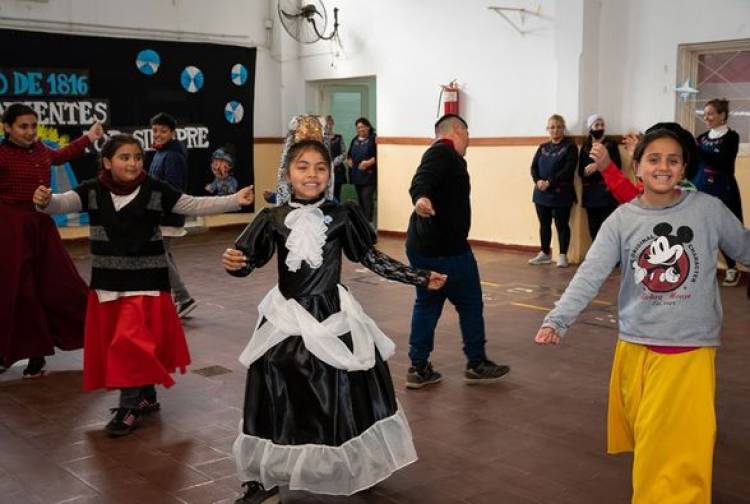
412, 47
616, 57
638, 54
236, 22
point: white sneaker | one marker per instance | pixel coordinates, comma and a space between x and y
562, 261
731, 278
541, 258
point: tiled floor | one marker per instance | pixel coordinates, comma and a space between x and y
537, 437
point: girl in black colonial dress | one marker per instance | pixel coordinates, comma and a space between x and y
320, 411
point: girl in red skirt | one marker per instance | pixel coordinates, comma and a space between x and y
42, 297
133, 338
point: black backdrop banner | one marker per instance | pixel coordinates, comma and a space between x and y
73, 80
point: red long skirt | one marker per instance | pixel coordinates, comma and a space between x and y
133, 341
42, 296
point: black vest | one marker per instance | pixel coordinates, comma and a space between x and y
126, 246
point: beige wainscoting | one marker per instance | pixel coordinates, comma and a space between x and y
267, 152
501, 188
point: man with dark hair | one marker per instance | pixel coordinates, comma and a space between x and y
437, 240
170, 165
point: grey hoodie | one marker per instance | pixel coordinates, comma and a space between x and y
668, 295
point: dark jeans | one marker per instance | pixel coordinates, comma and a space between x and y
561, 216
366, 197
596, 217
131, 397
463, 290
181, 294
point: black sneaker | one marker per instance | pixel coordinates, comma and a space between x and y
35, 368
418, 377
183, 309
485, 372
256, 494
123, 423
148, 404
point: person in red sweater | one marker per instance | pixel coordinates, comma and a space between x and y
624, 189
42, 296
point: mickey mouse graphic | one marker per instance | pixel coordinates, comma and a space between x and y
663, 266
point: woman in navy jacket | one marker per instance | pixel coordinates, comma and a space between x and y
553, 169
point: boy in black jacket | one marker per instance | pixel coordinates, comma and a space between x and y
169, 164
437, 240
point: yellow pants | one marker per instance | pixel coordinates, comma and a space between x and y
661, 406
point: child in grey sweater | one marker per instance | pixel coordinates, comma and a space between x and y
661, 403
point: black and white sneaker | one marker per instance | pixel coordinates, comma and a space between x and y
485, 372
184, 309
148, 404
35, 368
123, 423
256, 494
418, 377
731, 278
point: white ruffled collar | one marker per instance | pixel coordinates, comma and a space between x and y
719, 132
308, 234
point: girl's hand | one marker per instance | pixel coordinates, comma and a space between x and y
630, 141
600, 156
233, 260
95, 132
547, 336
42, 196
245, 196
437, 280
590, 168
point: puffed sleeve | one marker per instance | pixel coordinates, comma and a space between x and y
359, 235
359, 246
257, 243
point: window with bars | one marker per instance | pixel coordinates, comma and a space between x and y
715, 70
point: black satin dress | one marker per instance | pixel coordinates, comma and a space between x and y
291, 396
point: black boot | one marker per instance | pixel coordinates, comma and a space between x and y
35, 367
256, 494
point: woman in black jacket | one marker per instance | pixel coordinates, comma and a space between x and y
553, 169
597, 199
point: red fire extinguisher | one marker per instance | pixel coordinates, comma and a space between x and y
449, 98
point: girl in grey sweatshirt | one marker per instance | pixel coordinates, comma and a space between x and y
661, 403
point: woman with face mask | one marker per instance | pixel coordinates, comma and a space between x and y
597, 199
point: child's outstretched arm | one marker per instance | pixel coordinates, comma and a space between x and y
390, 268
51, 204
253, 248
734, 238
600, 260
621, 187
206, 205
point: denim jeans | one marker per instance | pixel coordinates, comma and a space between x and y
130, 397
181, 293
463, 290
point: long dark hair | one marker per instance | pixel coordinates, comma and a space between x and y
654, 135
721, 106
306, 145
367, 123
113, 143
